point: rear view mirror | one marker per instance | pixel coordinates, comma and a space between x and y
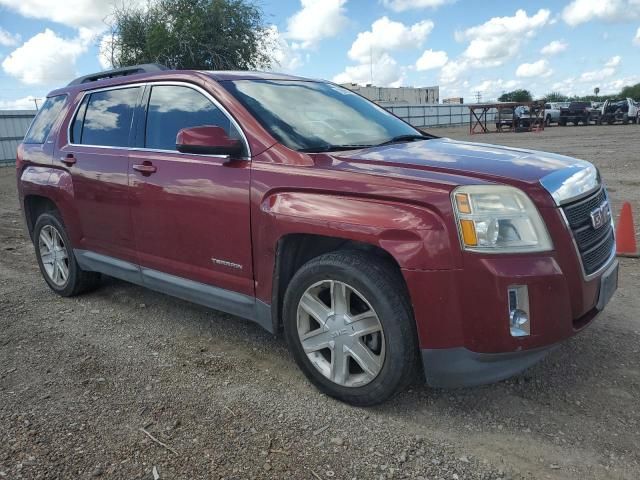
207, 140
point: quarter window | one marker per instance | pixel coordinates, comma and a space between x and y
107, 120
42, 124
172, 108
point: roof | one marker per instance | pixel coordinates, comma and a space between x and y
150, 72
222, 75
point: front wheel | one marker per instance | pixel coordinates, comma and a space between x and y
350, 328
56, 260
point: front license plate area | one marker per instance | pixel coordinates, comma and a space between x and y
608, 286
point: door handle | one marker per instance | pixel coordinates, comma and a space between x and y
145, 168
69, 159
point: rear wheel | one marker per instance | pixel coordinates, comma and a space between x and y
350, 328
56, 260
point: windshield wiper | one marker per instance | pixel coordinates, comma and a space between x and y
404, 138
331, 148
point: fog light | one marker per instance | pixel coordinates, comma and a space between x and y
519, 322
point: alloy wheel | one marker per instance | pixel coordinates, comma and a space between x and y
341, 333
54, 255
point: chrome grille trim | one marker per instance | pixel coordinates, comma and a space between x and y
595, 247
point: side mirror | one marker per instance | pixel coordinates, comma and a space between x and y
207, 140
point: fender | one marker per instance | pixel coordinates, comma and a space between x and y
56, 185
415, 236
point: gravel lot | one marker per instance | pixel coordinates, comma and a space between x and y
81, 378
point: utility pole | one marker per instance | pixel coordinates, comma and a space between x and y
371, 63
35, 100
478, 96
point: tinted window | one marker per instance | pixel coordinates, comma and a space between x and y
172, 108
76, 128
44, 120
310, 115
108, 117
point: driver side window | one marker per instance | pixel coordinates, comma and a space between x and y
174, 107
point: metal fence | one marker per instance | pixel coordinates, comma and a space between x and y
435, 115
13, 126
14, 123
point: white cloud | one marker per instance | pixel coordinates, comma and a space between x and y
385, 36
581, 11
636, 39
597, 75
613, 61
73, 13
25, 103
316, 20
386, 73
535, 69
451, 72
7, 39
492, 89
285, 58
402, 5
431, 60
554, 48
45, 58
500, 38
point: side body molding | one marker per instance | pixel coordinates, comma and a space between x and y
207, 295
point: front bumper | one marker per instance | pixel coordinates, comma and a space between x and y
463, 326
459, 367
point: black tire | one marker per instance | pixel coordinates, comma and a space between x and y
383, 286
78, 280
563, 122
547, 121
586, 120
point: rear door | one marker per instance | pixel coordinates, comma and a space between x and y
190, 212
97, 157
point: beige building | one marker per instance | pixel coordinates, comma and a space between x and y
397, 96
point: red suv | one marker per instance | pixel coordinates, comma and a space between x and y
304, 207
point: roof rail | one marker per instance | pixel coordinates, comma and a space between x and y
119, 72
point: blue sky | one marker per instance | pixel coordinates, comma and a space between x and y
463, 46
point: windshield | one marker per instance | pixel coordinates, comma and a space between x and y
315, 115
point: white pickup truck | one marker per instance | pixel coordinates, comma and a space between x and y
552, 112
620, 110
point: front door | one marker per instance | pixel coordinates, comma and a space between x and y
97, 158
190, 212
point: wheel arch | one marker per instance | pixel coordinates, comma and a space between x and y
34, 206
295, 249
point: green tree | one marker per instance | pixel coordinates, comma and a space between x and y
556, 97
190, 34
519, 95
631, 91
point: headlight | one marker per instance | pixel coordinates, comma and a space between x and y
498, 219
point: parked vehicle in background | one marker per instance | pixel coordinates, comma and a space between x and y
596, 111
379, 251
619, 110
552, 112
504, 119
576, 112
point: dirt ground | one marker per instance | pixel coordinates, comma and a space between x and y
81, 378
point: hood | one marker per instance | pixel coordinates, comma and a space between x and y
570, 176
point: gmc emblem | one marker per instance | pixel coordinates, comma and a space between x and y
601, 215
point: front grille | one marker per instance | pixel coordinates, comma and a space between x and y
595, 246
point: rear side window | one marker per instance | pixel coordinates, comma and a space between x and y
44, 120
107, 119
172, 108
